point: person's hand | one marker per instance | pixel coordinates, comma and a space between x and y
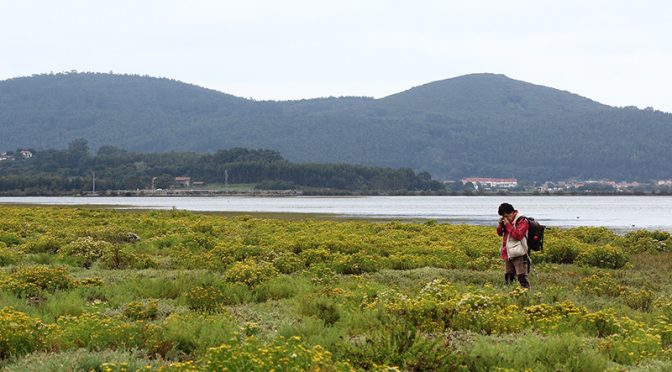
502, 220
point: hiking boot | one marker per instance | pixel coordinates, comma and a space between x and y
522, 279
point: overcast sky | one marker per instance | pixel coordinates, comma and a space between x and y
615, 52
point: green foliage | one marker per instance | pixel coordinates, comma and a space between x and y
8, 256
322, 309
250, 273
83, 360
607, 256
647, 241
98, 332
253, 354
138, 310
208, 299
554, 353
33, 280
41, 175
85, 250
20, 334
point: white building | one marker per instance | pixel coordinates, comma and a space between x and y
492, 183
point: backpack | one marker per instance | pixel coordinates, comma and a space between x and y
535, 235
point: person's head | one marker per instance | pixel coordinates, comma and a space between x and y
505, 209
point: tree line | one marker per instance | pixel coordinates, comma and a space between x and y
55, 171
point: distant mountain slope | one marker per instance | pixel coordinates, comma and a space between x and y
465, 126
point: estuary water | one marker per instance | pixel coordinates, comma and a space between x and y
614, 212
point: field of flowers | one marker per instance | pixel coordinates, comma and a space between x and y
97, 289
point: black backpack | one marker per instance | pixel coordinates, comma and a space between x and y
535, 235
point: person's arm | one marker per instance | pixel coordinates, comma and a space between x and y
500, 229
520, 230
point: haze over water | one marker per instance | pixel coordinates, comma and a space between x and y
615, 212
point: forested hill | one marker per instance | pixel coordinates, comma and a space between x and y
472, 125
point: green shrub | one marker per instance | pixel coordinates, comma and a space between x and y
251, 354
275, 289
562, 251
118, 257
9, 239
608, 257
399, 346
44, 244
20, 334
32, 280
250, 273
357, 263
85, 250
322, 274
322, 309
288, 263
98, 332
83, 360
639, 300
535, 353
184, 336
139, 310
8, 256
211, 299
647, 241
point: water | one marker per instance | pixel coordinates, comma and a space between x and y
615, 212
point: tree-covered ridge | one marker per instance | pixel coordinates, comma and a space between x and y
452, 128
72, 170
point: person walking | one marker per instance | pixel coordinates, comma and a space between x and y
513, 228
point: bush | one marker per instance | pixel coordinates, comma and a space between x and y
250, 273
44, 244
356, 264
251, 354
562, 251
608, 257
85, 250
640, 300
647, 241
183, 336
288, 263
534, 353
138, 310
275, 289
83, 360
9, 239
32, 280
98, 332
20, 334
8, 256
210, 299
322, 309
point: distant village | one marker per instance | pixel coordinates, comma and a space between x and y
485, 185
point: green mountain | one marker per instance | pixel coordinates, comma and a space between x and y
480, 125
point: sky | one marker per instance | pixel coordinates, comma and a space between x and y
614, 52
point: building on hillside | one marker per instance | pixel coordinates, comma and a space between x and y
183, 181
492, 183
27, 154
